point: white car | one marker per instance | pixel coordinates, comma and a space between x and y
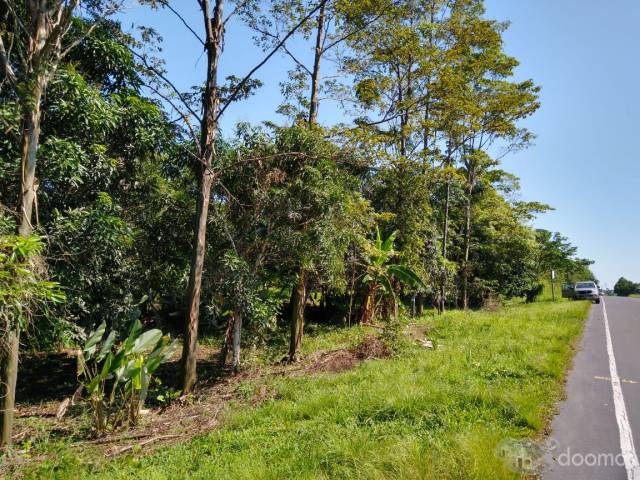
586, 291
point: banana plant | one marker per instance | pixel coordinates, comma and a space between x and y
116, 375
381, 276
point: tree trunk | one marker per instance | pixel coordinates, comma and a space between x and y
368, 306
9, 380
467, 244
31, 115
298, 300
395, 309
299, 294
189, 350
225, 352
48, 22
445, 228
237, 330
315, 76
30, 140
445, 239
209, 128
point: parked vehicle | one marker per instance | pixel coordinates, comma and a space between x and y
567, 290
586, 291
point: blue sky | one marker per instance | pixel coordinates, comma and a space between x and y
585, 159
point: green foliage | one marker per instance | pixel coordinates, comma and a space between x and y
162, 395
111, 178
504, 250
624, 287
23, 287
382, 278
288, 199
116, 375
91, 247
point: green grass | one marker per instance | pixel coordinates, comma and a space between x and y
426, 414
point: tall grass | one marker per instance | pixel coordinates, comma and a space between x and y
428, 414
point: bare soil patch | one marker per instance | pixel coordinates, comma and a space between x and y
185, 418
344, 359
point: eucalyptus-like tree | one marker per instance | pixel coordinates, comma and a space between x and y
33, 41
215, 99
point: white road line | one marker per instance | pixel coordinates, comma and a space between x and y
626, 436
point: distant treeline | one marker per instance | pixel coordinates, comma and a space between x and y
624, 287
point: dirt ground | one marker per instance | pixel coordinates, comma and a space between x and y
48, 379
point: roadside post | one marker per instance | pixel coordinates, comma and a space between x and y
553, 281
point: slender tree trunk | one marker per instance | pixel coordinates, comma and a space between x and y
352, 284
299, 294
237, 330
298, 300
9, 380
214, 34
315, 76
395, 309
403, 117
47, 23
30, 140
189, 350
467, 244
31, 116
445, 238
425, 136
228, 342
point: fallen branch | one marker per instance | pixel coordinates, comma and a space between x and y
121, 450
115, 438
373, 325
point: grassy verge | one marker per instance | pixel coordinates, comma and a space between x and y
429, 413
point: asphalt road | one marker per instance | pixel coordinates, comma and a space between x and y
597, 429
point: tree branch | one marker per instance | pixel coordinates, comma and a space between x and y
168, 82
5, 64
185, 117
234, 11
182, 19
241, 85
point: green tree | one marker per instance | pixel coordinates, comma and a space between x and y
214, 100
624, 287
290, 203
381, 278
22, 288
33, 42
110, 179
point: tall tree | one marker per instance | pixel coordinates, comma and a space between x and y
32, 45
400, 90
214, 37
335, 22
214, 102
